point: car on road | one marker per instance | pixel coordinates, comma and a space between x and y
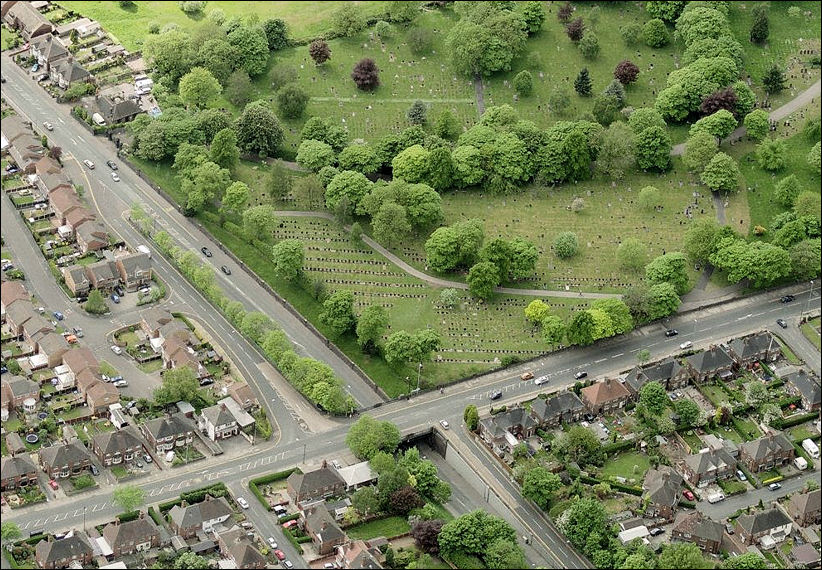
53, 484
48, 126
787, 298
115, 297
111, 164
496, 395
272, 543
120, 383
671, 332
774, 486
445, 424
526, 375
89, 164
115, 177
689, 495
78, 332
225, 270
782, 323
686, 344
539, 381
287, 564
94, 470
58, 315
206, 251
277, 552
242, 502
580, 375
116, 349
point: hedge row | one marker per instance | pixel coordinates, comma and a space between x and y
270, 478
156, 517
618, 446
129, 516
293, 540
616, 485
794, 421
199, 495
785, 402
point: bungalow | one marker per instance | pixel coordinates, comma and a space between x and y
217, 422
151, 320
709, 363
53, 346
565, 407
116, 110
168, 432
662, 487
323, 529
236, 547
320, 483
772, 525
357, 475
68, 72
605, 397
101, 395
69, 552
133, 536
766, 452
17, 472
22, 16
805, 508
64, 460
91, 236
115, 447
18, 313
753, 348
64, 200
48, 51
802, 384
188, 520
80, 359
18, 389
708, 466
76, 280
693, 527
103, 275
134, 270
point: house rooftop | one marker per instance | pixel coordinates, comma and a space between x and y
695, 524
606, 391
766, 446
763, 521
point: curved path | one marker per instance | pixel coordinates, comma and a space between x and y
436, 281
805, 97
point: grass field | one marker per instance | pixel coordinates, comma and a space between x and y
811, 331
632, 465
388, 527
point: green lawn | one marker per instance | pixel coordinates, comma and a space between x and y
151, 366
747, 429
788, 353
8, 37
631, 465
107, 369
692, 440
388, 527
715, 394
119, 471
811, 331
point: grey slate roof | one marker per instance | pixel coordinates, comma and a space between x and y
307, 483
763, 522
59, 455
132, 532
246, 556
766, 446
218, 415
194, 515
114, 111
807, 385
695, 524
710, 360
14, 466
19, 386
117, 441
563, 403
171, 426
50, 47
751, 345
663, 485
72, 71
318, 518
77, 545
710, 461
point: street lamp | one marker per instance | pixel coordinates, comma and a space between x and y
419, 372
810, 296
408, 381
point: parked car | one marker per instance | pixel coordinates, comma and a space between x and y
445, 424
145, 290
782, 323
139, 464
686, 344
787, 298
272, 543
206, 251
287, 564
42, 77
116, 349
53, 484
115, 177
225, 270
48, 126
278, 553
289, 524
689, 495
148, 458
580, 375
78, 332
115, 297
775, 486
119, 290
741, 475
671, 332
496, 395
729, 528
121, 383
111, 164
656, 531
526, 376
242, 502
89, 164
94, 470
70, 338
58, 315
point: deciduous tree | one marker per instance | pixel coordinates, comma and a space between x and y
258, 130
128, 497
368, 436
319, 51
288, 256
366, 74
669, 268
292, 101
224, 151
721, 173
626, 72
632, 254
338, 312
539, 485
482, 279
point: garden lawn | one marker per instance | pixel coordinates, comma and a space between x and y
715, 394
692, 440
811, 330
387, 527
747, 429
130, 25
632, 465
151, 366
788, 353
8, 37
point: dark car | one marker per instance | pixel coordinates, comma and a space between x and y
787, 298
94, 470
111, 164
782, 323
119, 291
225, 270
580, 375
496, 395
115, 297
729, 528
206, 251
671, 332
656, 531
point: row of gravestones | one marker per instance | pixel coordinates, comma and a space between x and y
352, 271
346, 260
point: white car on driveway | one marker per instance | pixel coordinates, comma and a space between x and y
116, 349
242, 502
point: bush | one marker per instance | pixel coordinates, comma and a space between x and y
524, 83
366, 74
655, 34
566, 245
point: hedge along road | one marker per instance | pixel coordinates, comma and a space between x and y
436, 281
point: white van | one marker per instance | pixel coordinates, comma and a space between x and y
800, 463
812, 449
144, 249
716, 497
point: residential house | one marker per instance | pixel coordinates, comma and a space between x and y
47, 165
49, 182
188, 520
217, 423
69, 552
708, 466
83, 26
11, 291
48, 50
68, 72
18, 314
103, 275
85, 380
65, 380
236, 547
23, 147
318, 484
706, 364
663, 487
245, 421
713, 443
177, 354
116, 447
34, 326
133, 536
503, 431
668, 372
53, 346
91, 236
76, 280
65, 460
101, 395
771, 525
18, 389
176, 329
605, 397
564, 408
151, 320
17, 472
243, 395
76, 218
166, 433
761, 346
116, 110
357, 475
14, 444
802, 384
766, 452
693, 527
323, 529
805, 508
23, 17
358, 554
134, 270
81, 358
805, 556
64, 200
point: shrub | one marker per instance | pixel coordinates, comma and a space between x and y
366, 74
524, 83
575, 29
566, 245
626, 72
655, 34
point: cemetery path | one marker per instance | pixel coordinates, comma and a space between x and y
479, 92
438, 282
804, 98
